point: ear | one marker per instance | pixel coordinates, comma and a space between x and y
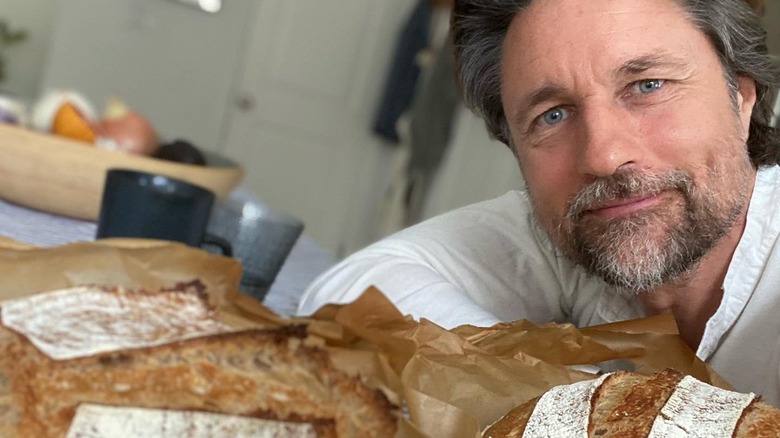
746, 99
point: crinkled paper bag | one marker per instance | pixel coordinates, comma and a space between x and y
456, 382
130, 263
452, 383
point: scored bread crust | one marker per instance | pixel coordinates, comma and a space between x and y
86, 320
512, 425
184, 307
259, 373
624, 400
627, 404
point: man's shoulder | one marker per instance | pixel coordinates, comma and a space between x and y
507, 212
483, 232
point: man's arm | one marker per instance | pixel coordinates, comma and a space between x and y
416, 289
479, 264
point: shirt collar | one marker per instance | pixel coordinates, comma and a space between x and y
750, 256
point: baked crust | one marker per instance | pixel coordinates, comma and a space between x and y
258, 373
621, 405
627, 405
263, 373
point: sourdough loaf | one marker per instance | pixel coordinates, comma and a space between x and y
629, 405
89, 319
254, 373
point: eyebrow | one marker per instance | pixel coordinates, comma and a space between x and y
641, 64
632, 67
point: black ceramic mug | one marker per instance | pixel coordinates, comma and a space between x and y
153, 206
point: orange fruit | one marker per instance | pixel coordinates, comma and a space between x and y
68, 122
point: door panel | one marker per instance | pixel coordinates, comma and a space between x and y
313, 73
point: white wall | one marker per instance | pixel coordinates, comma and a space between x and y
474, 169
177, 65
25, 61
173, 63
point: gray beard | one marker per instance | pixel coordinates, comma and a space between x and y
641, 251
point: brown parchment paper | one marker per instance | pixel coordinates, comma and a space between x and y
131, 263
451, 383
456, 382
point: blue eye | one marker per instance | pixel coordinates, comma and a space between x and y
554, 116
649, 85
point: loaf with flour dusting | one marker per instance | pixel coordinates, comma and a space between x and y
90, 319
198, 365
629, 405
256, 373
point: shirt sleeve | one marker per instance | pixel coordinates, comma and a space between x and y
415, 289
476, 265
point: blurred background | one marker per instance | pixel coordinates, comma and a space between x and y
342, 112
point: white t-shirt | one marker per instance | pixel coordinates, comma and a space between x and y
488, 262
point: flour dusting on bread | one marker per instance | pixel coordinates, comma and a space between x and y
699, 410
86, 320
667, 404
99, 421
564, 411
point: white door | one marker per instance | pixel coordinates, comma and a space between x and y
304, 105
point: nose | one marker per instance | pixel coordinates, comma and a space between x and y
607, 140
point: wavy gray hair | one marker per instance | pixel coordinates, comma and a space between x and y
733, 28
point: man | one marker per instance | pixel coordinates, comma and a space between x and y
641, 129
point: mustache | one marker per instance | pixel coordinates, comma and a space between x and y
626, 184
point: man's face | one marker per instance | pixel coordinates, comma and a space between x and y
631, 144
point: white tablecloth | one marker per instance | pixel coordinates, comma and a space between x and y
305, 262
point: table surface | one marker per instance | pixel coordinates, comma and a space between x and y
306, 260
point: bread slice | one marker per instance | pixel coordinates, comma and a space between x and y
255, 373
630, 405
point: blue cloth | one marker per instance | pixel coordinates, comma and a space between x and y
433, 112
402, 77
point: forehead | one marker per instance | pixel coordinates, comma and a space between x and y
559, 39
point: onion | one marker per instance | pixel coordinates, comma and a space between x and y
130, 132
